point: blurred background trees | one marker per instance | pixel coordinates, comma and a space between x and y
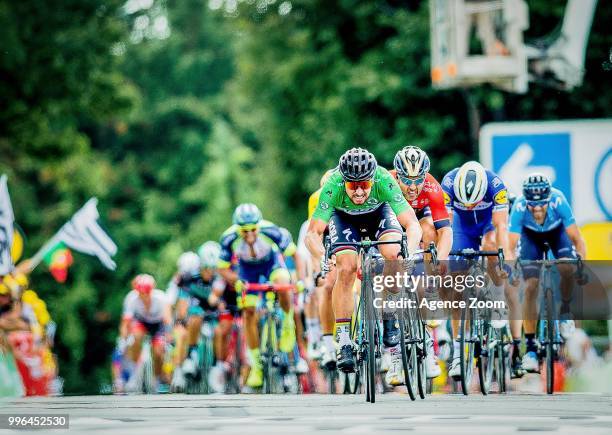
172, 112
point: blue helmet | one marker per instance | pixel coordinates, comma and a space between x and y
246, 214
536, 187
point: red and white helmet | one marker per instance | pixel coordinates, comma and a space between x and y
143, 283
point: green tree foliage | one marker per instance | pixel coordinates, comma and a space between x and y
174, 111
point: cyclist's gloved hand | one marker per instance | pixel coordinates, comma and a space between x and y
239, 286
506, 271
582, 278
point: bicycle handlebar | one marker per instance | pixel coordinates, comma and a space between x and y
471, 254
371, 243
255, 287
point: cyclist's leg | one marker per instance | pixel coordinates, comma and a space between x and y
326, 316
562, 248
280, 275
247, 302
313, 326
430, 234
457, 267
222, 335
158, 342
531, 248
341, 229
180, 329
385, 227
221, 339
138, 330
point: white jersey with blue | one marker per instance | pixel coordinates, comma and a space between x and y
558, 213
475, 220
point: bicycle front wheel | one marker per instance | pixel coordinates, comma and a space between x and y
550, 343
485, 355
370, 329
466, 348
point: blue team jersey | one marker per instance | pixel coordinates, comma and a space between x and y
558, 213
478, 217
271, 241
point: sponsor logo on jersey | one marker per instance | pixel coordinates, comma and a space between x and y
324, 206
447, 199
398, 197
448, 182
555, 202
501, 197
496, 182
372, 201
483, 205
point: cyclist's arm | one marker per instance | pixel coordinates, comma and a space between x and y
575, 236
314, 238
167, 315
445, 242
127, 316
500, 222
513, 241
408, 220
300, 266
124, 327
228, 275
441, 220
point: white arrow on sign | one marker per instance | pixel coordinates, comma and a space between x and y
517, 168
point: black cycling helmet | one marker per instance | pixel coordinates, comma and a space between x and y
536, 187
357, 164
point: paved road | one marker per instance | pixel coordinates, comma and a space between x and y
254, 414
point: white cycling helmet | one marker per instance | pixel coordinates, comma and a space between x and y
209, 254
470, 183
188, 262
411, 161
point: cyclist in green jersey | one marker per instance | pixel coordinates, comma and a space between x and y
360, 195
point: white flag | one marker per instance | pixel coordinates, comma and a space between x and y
83, 233
6, 228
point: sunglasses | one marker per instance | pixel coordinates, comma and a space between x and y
410, 181
354, 185
244, 229
540, 203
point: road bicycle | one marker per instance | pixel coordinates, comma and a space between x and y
197, 383
549, 334
480, 343
367, 330
278, 373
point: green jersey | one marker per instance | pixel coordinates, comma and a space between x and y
384, 190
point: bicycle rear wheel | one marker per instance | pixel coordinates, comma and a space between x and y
148, 377
407, 349
501, 360
268, 356
466, 348
421, 355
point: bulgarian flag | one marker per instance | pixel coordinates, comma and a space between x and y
59, 259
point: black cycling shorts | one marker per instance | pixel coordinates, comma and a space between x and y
344, 227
